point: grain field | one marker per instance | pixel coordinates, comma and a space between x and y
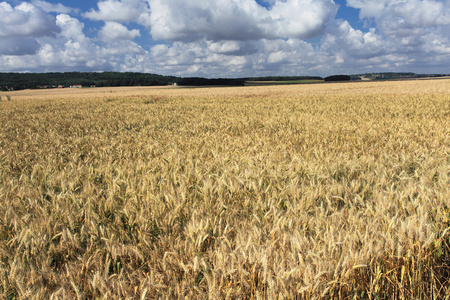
333, 191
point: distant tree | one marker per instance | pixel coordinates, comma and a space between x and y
283, 78
337, 78
199, 81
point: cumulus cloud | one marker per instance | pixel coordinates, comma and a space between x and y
118, 48
215, 20
234, 48
290, 57
196, 59
400, 17
72, 50
122, 11
226, 38
214, 38
21, 25
71, 28
413, 32
18, 46
72, 46
353, 43
51, 7
81, 52
113, 31
301, 19
191, 20
203, 58
25, 20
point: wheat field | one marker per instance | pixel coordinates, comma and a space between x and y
326, 191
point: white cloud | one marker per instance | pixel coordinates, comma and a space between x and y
122, 11
226, 38
288, 57
71, 47
215, 20
113, 31
20, 26
118, 48
234, 48
301, 19
413, 32
400, 17
192, 20
25, 20
347, 41
72, 50
202, 58
51, 7
18, 46
195, 59
71, 28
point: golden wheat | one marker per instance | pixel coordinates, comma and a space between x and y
311, 191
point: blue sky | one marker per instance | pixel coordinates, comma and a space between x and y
226, 38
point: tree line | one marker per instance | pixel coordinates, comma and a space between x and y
20, 81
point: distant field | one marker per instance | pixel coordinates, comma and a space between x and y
335, 190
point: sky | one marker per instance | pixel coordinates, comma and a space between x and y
226, 38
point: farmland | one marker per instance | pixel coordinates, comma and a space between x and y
327, 190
